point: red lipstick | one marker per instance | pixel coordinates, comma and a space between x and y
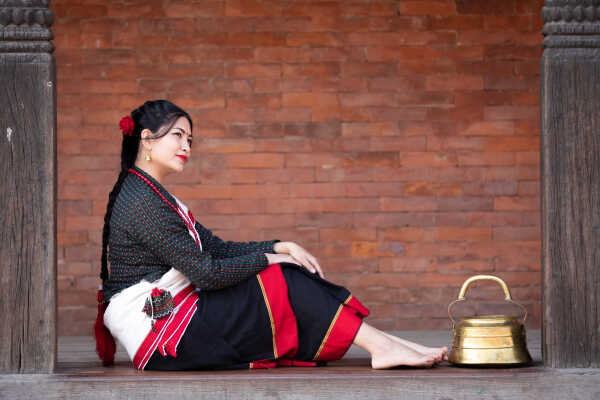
183, 158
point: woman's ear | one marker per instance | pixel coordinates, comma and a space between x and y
145, 134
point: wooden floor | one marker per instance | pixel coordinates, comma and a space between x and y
80, 375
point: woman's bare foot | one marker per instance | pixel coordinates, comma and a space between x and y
397, 354
440, 352
388, 351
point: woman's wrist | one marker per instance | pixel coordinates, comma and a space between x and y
281, 248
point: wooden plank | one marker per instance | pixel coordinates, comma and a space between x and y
80, 375
28, 196
570, 158
315, 383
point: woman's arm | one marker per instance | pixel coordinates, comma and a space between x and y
226, 249
160, 230
297, 254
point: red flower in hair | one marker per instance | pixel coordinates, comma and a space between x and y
127, 125
156, 292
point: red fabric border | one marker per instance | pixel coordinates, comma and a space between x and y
357, 306
341, 335
168, 331
285, 332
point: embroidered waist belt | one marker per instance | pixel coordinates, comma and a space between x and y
167, 331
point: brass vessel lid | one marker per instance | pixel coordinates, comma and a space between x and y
489, 320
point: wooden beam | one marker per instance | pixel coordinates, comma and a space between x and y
28, 195
570, 167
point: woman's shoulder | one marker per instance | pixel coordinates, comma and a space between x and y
136, 195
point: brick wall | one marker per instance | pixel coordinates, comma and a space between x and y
397, 140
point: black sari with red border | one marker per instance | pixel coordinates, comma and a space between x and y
283, 316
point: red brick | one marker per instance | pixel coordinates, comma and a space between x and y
183, 9
465, 203
391, 39
255, 160
529, 188
370, 159
487, 128
396, 84
282, 54
529, 7
486, 8
312, 160
359, 9
490, 188
487, 158
517, 233
343, 174
72, 238
285, 145
225, 146
317, 39
521, 53
516, 203
312, 9
455, 22
199, 101
402, 53
511, 82
315, 70
463, 234
406, 264
254, 101
245, 70
354, 234
356, 131
442, 7
373, 189
512, 143
408, 204
370, 129
285, 175
203, 191
454, 82
311, 190
528, 158
259, 191
366, 99
416, 159
335, 84
309, 99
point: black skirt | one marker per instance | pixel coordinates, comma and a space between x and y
284, 316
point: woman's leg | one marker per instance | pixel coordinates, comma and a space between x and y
388, 351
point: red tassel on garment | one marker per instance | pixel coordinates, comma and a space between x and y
105, 343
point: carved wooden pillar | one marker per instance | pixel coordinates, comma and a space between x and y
570, 158
28, 188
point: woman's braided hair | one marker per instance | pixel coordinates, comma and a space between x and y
158, 116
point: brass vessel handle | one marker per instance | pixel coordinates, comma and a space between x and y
463, 289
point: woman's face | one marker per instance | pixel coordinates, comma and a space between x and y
171, 152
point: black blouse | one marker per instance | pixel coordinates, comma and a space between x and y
148, 237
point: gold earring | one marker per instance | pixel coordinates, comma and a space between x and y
148, 158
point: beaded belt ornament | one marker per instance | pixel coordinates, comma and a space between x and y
159, 304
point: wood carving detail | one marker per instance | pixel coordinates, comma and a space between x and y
25, 26
571, 23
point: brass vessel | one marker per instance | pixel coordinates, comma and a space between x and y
489, 340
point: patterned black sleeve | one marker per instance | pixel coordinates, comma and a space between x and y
221, 249
158, 228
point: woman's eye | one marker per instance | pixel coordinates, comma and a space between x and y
190, 143
177, 133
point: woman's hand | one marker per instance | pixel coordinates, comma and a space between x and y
299, 256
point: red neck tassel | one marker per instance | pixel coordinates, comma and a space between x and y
105, 343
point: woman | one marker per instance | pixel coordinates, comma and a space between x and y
178, 297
